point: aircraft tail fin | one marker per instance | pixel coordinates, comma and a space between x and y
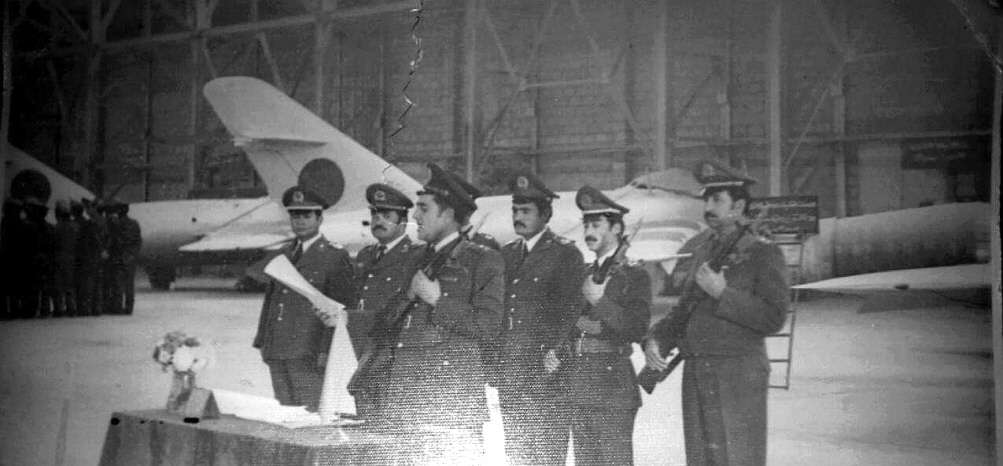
289, 145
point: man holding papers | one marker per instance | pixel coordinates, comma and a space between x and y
292, 334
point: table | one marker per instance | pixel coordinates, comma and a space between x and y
155, 437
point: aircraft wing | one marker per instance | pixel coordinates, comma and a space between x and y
265, 228
949, 278
912, 289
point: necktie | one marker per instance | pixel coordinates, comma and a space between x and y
523, 252
380, 251
298, 252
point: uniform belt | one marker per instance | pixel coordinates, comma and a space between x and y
586, 345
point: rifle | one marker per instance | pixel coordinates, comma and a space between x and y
374, 362
692, 296
598, 277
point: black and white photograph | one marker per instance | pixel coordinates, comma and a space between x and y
500, 233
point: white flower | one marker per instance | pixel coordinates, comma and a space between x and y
184, 358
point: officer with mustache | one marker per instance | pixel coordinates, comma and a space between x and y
543, 274
599, 379
726, 370
381, 271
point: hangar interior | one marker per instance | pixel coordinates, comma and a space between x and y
870, 105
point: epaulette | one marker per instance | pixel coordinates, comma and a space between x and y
563, 240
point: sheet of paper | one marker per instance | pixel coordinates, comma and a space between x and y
341, 363
285, 272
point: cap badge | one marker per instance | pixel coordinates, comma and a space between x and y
298, 196
586, 200
380, 196
707, 170
522, 182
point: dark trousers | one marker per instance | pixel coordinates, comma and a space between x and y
87, 293
724, 410
603, 436
112, 295
536, 422
126, 281
64, 288
297, 382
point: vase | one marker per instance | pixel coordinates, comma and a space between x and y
182, 385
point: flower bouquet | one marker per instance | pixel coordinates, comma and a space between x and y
185, 356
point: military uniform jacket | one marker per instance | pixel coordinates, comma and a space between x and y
437, 376
288, 327
377, 282
608, 380
541, 304
753, 305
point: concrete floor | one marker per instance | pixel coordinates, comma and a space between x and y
893, 388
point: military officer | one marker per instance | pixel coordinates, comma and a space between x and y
543, 274
382, 270
599, 378
726, 374
292, 335
478, 237
453, 301
66, 233
129, 244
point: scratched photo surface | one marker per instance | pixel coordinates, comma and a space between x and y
867, 132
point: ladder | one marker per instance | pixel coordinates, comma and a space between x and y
792, 246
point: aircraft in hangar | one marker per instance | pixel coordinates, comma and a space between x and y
288, 145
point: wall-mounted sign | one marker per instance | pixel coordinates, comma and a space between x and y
941, 152
786, 214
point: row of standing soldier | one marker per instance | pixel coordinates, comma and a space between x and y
83, 265
432, 323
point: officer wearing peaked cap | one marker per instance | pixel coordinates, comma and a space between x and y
614, 310
382, 270
542, 279
292, 336
453, 301
478, 237
733, 309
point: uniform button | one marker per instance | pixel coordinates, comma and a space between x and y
512, 296
365, 287
512, 310
515, 281
370, 275
388, 278
445, 363
536, 279
444, 293
400, 345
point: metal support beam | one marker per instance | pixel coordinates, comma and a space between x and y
994, 244
471, 14
231, 29
6, 82
663, 100
774, 72
321, 31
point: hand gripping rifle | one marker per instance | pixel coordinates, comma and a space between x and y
375, 362
691, 298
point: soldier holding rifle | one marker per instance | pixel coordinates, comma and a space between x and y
737, 285
436, 377
599, 379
